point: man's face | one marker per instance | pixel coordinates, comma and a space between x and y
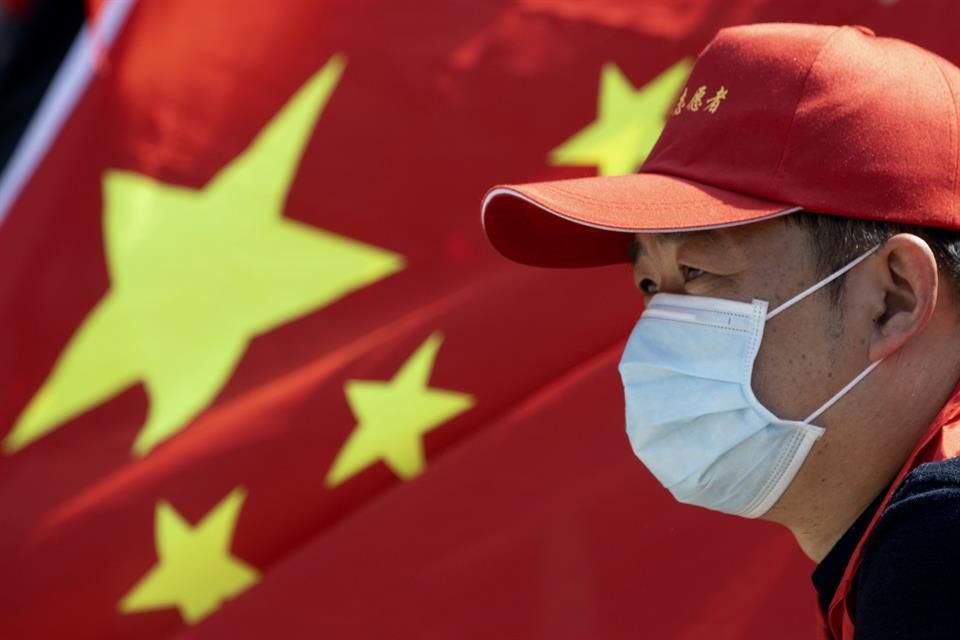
809, 351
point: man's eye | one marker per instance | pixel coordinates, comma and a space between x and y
691, 273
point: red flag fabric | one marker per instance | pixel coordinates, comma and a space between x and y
264, 376
15, 7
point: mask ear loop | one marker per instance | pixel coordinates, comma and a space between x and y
803, 294
809, 290
839, 394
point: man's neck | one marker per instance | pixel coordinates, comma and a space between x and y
854, 463
816, 542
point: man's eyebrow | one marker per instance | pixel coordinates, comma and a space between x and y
634, 251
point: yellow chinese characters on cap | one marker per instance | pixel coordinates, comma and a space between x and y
697, 103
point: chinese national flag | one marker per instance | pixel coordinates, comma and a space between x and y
263, 377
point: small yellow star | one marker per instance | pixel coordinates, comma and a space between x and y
195, 275
195, 570
628, 124
393, 416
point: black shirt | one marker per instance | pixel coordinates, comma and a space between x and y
908, 585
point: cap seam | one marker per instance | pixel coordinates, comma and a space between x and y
778, 175
545, 208
956, 138
643, 205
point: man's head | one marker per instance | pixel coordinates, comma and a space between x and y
789, 119
900, 305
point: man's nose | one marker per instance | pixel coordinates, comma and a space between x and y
657, 269
661, 281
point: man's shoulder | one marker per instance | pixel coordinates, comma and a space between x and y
927, 484
928, 495
911, 562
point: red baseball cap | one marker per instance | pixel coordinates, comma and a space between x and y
774, 118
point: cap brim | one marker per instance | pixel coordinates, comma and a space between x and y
586, 222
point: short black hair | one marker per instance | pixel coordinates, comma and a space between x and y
838, 240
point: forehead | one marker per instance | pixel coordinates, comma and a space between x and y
769, 246
642, 243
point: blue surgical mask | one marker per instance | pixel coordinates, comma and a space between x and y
692, 417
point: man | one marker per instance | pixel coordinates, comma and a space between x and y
795, 233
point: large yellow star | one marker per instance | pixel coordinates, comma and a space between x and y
195, 274
393, 416
628, 123
195, 570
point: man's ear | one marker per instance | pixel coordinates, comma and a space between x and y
905, 274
